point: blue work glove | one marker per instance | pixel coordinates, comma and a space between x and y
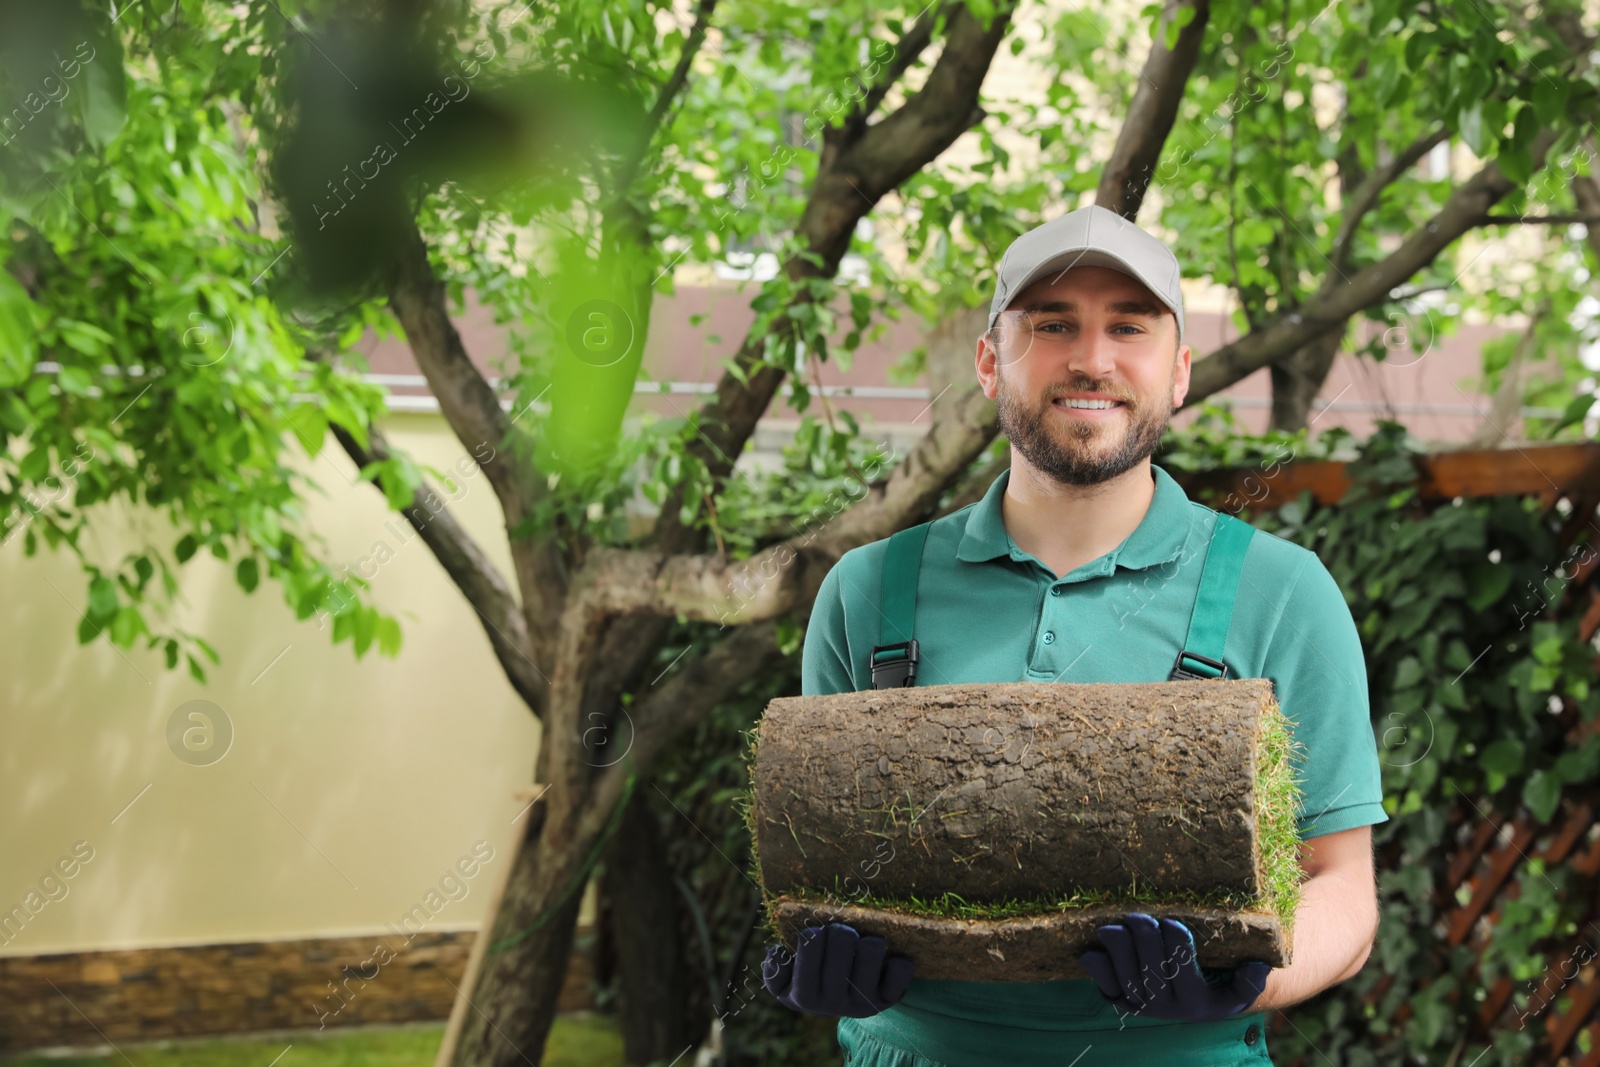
1151, 969
835, 971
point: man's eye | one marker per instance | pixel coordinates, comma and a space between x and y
1052, 327
1127, 326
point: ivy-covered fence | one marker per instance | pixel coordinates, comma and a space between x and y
1474, 578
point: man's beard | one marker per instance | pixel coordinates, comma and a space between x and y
1075, 454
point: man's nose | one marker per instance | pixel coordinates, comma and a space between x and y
1093, 356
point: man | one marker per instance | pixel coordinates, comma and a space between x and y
1081, 564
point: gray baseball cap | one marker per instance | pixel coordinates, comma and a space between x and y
1089, 237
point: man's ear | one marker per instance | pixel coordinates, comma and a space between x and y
985, 363
1180, 376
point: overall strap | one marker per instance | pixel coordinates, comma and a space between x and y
1201, 656
894, 657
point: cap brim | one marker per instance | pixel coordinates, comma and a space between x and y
1081, 257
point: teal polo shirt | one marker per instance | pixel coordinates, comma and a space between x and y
989, 612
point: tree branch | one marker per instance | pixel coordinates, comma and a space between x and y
1505, 407
1370, 287
1505, 220
1153, 110
846, 188
1366, 195
911, 45
469, 568
669, 92
786, 576
465, 398
473, 411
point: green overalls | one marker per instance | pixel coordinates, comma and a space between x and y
1049, 1024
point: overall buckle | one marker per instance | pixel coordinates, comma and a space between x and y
1181, 673
898, 668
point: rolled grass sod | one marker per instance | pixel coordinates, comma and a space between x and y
988, 830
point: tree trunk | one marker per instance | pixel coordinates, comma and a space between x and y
952, 345
1504, 421
654, 999
1298, 378
520, 985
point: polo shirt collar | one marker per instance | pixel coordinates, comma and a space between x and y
1159, 537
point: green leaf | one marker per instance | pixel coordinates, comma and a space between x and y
1542, 794
36, 464
790, 636
388, 634
102, 598
339, 411
104, 105
1488, 582
1503, 757
187, 546
248, 574
400, 480
1550, 650
74, 380
1576, 409
310, 427
127, 626
365, 630
1550, 99
1418, 47
1581, 765
735, 370
19, 349
1516, 164
87, 338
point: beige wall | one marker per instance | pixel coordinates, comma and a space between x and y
350, 787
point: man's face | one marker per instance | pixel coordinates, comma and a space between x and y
1092, 334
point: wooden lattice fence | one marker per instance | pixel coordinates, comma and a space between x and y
1489, 852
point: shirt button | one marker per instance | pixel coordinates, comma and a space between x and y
1252, 1035
1049, 638
1055, 590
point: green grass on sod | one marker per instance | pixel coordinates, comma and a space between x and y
576, 1041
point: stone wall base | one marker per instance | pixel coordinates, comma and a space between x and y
82, 999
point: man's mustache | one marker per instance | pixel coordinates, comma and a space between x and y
1062, 391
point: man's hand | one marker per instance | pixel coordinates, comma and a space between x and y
1151, 969
835, 971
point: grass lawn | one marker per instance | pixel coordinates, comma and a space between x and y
576, 1041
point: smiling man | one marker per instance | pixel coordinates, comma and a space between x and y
1084, 563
